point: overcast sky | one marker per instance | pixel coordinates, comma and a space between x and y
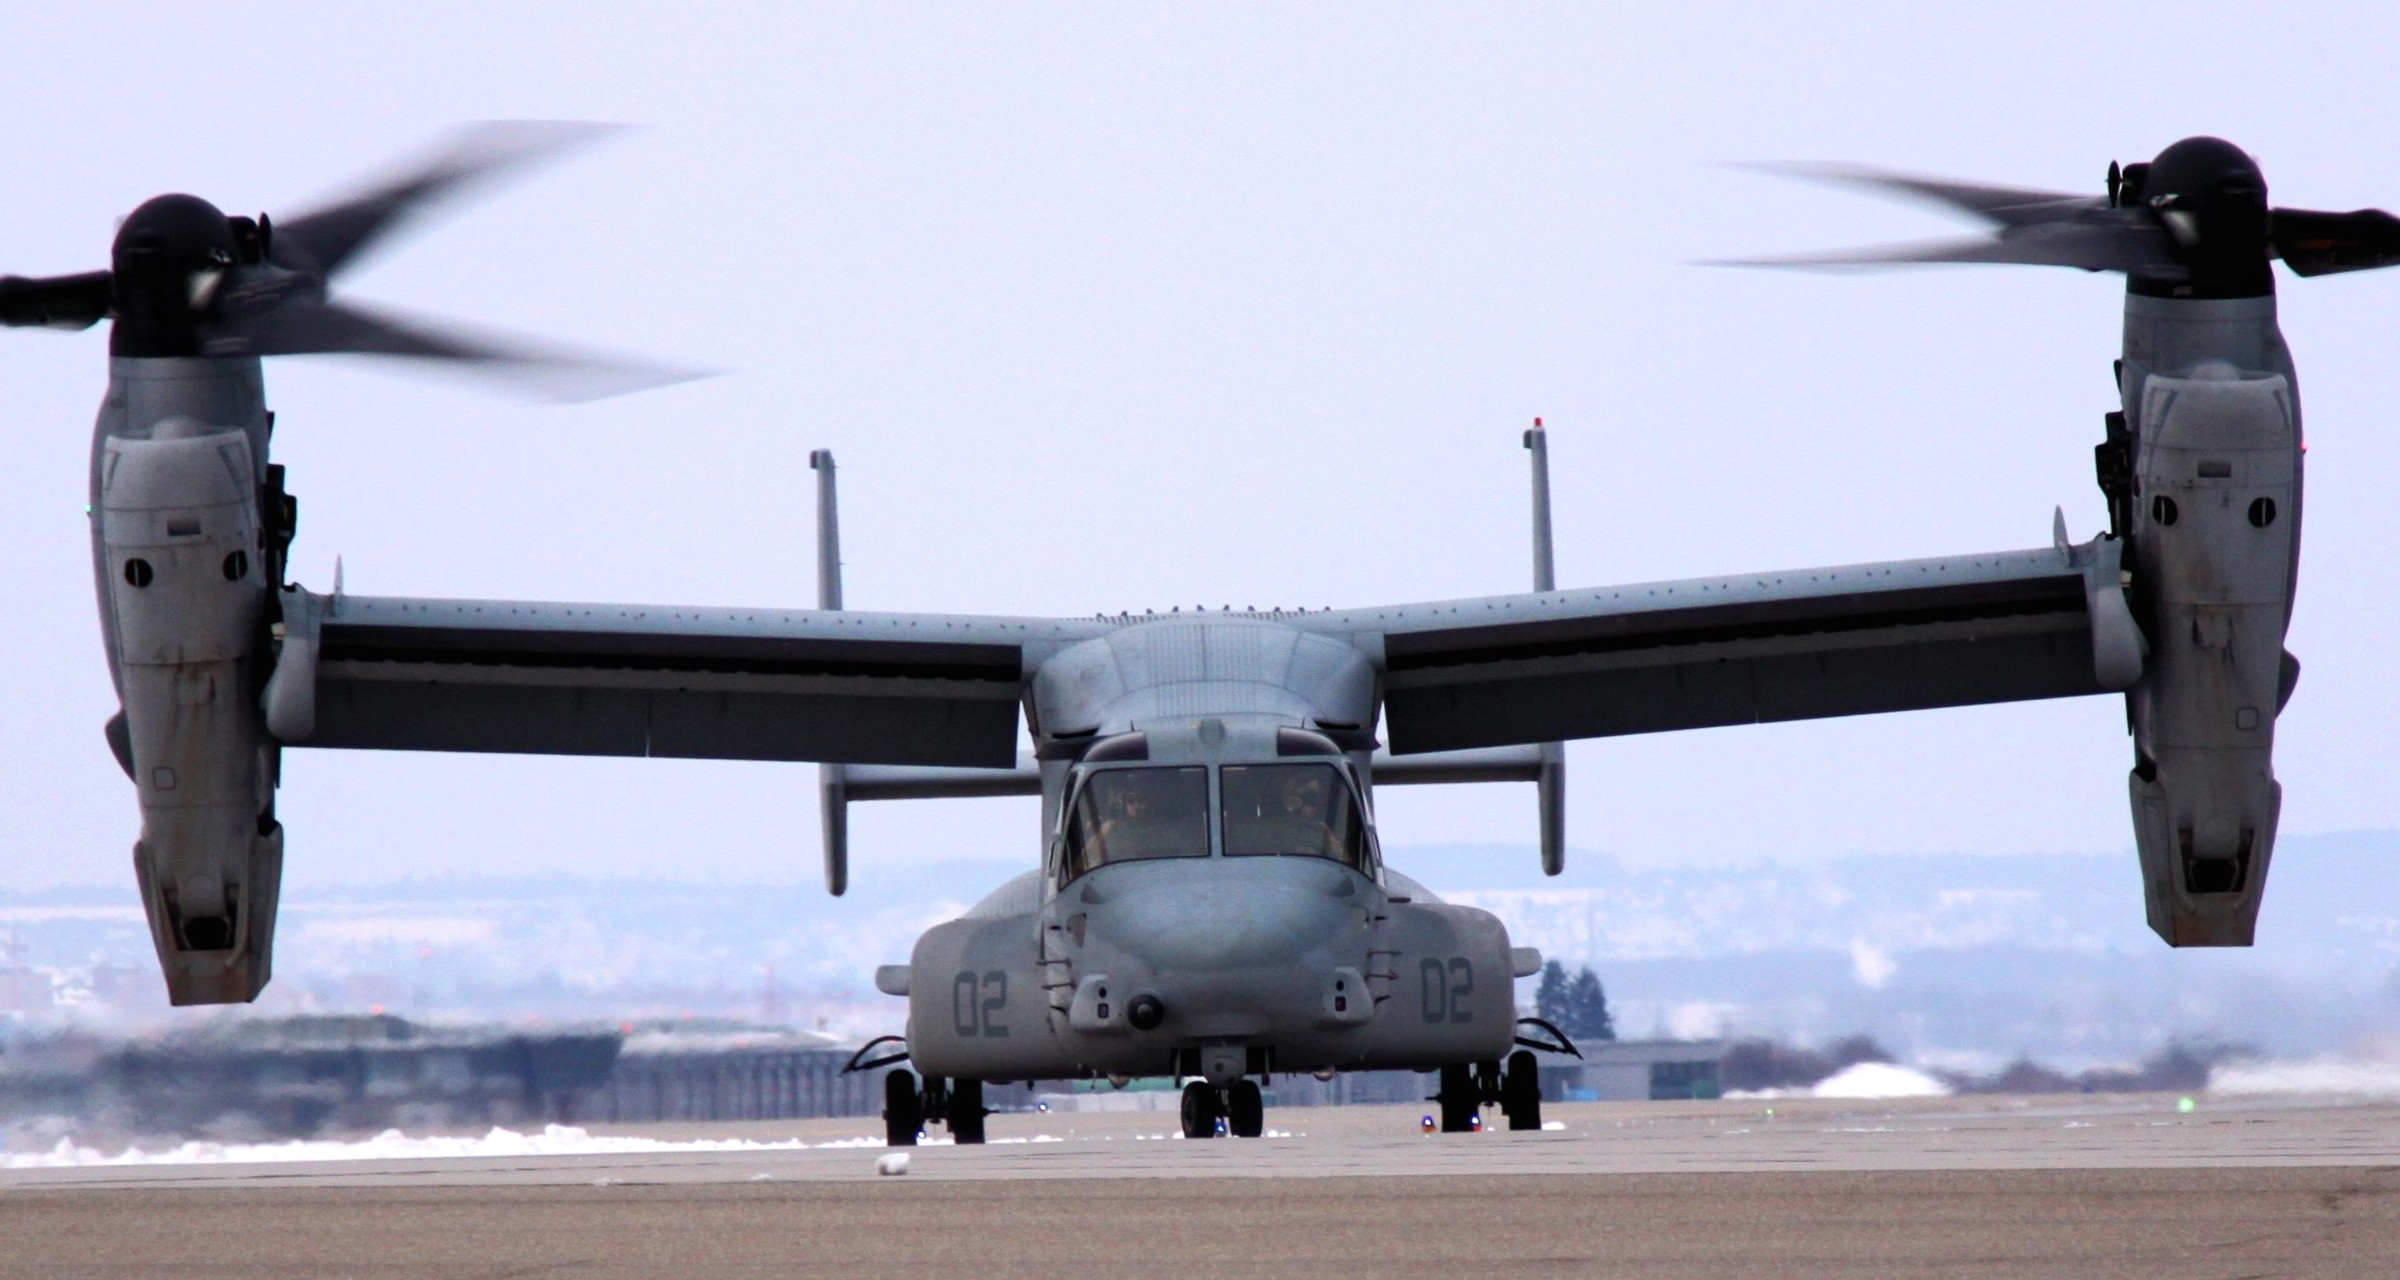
1122, 306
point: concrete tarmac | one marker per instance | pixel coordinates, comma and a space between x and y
1947, 1187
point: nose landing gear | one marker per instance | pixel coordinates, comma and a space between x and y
903, 1112
965, 1112
959, 1104
1245, 1109
1465, 1090
1460, 1097
1521, 1092
1240, 1105
1202, 1106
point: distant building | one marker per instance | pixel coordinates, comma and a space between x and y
295, 1077
1634, 1071
679, 1074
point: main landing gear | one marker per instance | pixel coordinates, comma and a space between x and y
906, 1107
1466, 1090
1240, 1105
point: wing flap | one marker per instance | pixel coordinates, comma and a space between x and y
1905, 636
698, 684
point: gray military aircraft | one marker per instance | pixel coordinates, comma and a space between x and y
1211, 901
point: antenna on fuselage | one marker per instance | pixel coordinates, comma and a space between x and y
833, 780
1550, 784
1545, 572
829, 532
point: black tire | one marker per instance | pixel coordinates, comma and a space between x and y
1521, 1091
903, 1114
966, 1112
1460, 1099
1245, 1109
1201, 1108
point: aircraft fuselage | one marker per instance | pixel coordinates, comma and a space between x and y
1212, 899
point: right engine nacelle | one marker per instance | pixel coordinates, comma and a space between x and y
183, 568
2215, 522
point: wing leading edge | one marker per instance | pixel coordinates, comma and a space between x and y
943, 690
736, 684
1898, 636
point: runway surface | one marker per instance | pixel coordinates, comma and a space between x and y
1944, 1187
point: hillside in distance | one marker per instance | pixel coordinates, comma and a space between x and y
1947, 959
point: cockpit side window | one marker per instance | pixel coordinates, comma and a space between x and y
1298, 810
1122, 815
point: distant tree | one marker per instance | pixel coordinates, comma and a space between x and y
1550, 998
1767, 1064
1575, 1005
1586, 1009
1851, 1050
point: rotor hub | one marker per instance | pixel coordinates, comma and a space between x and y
2211, 200
169, 261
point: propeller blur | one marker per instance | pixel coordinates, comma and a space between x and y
185, 280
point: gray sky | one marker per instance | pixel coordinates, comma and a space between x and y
1107, 307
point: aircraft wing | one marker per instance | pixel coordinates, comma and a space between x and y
1803, 644
619, 680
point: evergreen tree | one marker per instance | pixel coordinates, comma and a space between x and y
1585, 1008
1550, 998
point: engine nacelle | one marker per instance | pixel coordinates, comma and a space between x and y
2215, 520
179, 528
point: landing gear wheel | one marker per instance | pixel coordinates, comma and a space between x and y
1245, 1110
966, 1112
1460, 1099
903, 1115
1521, 1091
1202, 1108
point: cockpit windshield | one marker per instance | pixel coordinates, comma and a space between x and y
1302, 810
1126, 814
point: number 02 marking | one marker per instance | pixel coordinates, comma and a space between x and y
1445, 988
976, 1003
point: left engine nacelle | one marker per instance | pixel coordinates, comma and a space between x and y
2215, 531
187, 588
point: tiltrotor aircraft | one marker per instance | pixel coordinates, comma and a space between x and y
1211, 901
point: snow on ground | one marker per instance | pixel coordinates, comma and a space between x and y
1879, 1080
2323, 1075
392, 1144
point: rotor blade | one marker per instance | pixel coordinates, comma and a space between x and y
332, 238
57, 302
2001, 206
2090, 246
311, 326
2317, 244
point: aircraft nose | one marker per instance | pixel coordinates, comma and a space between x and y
1240, 917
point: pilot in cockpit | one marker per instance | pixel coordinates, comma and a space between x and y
1299, 823
1285, 809
1149, 813
1125, 823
